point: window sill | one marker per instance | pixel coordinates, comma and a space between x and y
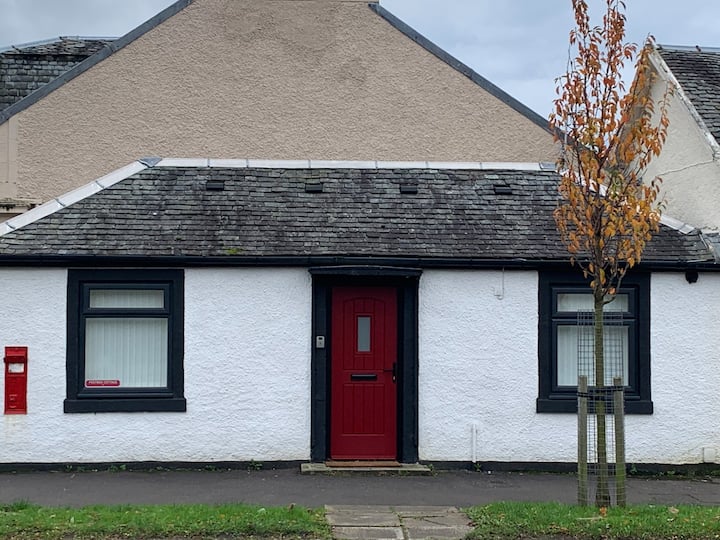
569, 405
125, 405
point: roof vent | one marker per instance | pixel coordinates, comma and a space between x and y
215, 185
502, 189
314, 187
410, 189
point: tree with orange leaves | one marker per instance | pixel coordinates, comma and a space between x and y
606, 214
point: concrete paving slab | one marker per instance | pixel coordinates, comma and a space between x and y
452, 521
360, 508
368, 533
406, 522
434, 522
437, 533
362, 518
420, 511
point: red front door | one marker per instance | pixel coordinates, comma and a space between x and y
363, 417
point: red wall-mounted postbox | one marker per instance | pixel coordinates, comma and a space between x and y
16, 359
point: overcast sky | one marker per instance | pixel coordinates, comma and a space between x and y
520, 45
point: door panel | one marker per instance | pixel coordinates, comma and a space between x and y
363, 417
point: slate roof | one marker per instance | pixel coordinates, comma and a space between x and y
25, 68
698, 72
254, 213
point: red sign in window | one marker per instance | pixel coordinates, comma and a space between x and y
97, 382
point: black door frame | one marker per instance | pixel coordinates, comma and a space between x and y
406, 281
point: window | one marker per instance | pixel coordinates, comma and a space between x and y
363, 334
125, 341
565, 334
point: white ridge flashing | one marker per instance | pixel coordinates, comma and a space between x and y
118, 175
676, 224
349, 164
71, 197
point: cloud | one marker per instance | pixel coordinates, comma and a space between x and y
23, 21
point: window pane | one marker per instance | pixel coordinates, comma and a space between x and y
575, 349
567, 354
571, 302
616, 353
127, 298
363, 333
126, 352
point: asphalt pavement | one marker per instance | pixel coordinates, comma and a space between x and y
289, 486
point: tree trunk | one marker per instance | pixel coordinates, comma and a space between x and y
602, 496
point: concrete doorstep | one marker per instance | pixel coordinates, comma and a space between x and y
397, 522
403, 469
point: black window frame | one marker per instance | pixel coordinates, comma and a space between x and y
109, 399
563, 399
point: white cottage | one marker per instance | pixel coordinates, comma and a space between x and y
211, 311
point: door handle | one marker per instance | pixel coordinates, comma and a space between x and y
393, 370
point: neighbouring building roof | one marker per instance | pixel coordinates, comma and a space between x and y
697, 70
25, 68
303, 213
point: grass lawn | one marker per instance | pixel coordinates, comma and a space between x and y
501, 521
552, 520
23, 521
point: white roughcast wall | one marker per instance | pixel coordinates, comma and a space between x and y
479, 372
247, 374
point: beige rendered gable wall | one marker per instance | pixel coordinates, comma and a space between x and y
270, 79
688, 166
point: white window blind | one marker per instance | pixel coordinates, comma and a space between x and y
132, 351
568, 344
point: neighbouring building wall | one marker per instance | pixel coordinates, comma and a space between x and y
8, 158
479, 373
278, 79
247, 375
688, 166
